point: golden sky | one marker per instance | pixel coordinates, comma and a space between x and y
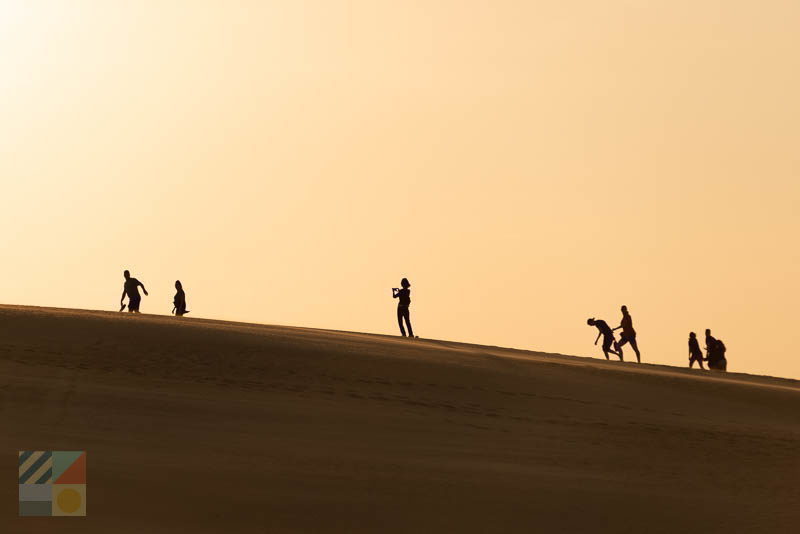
526, 164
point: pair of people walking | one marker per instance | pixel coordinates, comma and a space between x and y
628, 335
715, 352
131, 287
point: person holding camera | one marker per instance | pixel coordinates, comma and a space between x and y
404, 295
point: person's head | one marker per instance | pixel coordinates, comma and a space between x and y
624, 309
708, 332
126, 274
405, 283
178, 284
590, 322
692, 335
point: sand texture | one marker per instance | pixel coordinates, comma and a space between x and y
194, 425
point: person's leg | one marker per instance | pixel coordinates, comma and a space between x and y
400, 320
607, 342
618, 352
635, 349
407, 315
622, 341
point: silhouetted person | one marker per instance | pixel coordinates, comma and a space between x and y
695, 354
131, 289
404, 295
715, 350
721, 363
711, 343
180, 300
608, 337
628, 333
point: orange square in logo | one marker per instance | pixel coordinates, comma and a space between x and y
69, 467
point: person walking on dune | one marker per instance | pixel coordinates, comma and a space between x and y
720, 362
403, 313
180, 300
715, 353
695, 354
628, 333
711, 344
131, 289
608, 337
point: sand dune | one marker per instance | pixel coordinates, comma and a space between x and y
208, 426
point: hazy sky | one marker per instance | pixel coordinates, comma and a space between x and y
526, 164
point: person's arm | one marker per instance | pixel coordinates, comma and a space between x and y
123, 296
395, 292
597, 338
143, 289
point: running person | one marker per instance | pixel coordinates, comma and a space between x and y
628, 333
131, 289
608, 337
403, 313
695, 354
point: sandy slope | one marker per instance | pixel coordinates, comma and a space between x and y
206, 426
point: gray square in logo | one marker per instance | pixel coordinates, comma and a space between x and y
35, 492
35, 508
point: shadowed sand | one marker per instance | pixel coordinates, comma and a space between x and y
208, 426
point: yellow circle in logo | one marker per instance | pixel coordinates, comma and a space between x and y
69, 500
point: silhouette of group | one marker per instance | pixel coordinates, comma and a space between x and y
628, 335
131, 287
715, 352
715, 348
